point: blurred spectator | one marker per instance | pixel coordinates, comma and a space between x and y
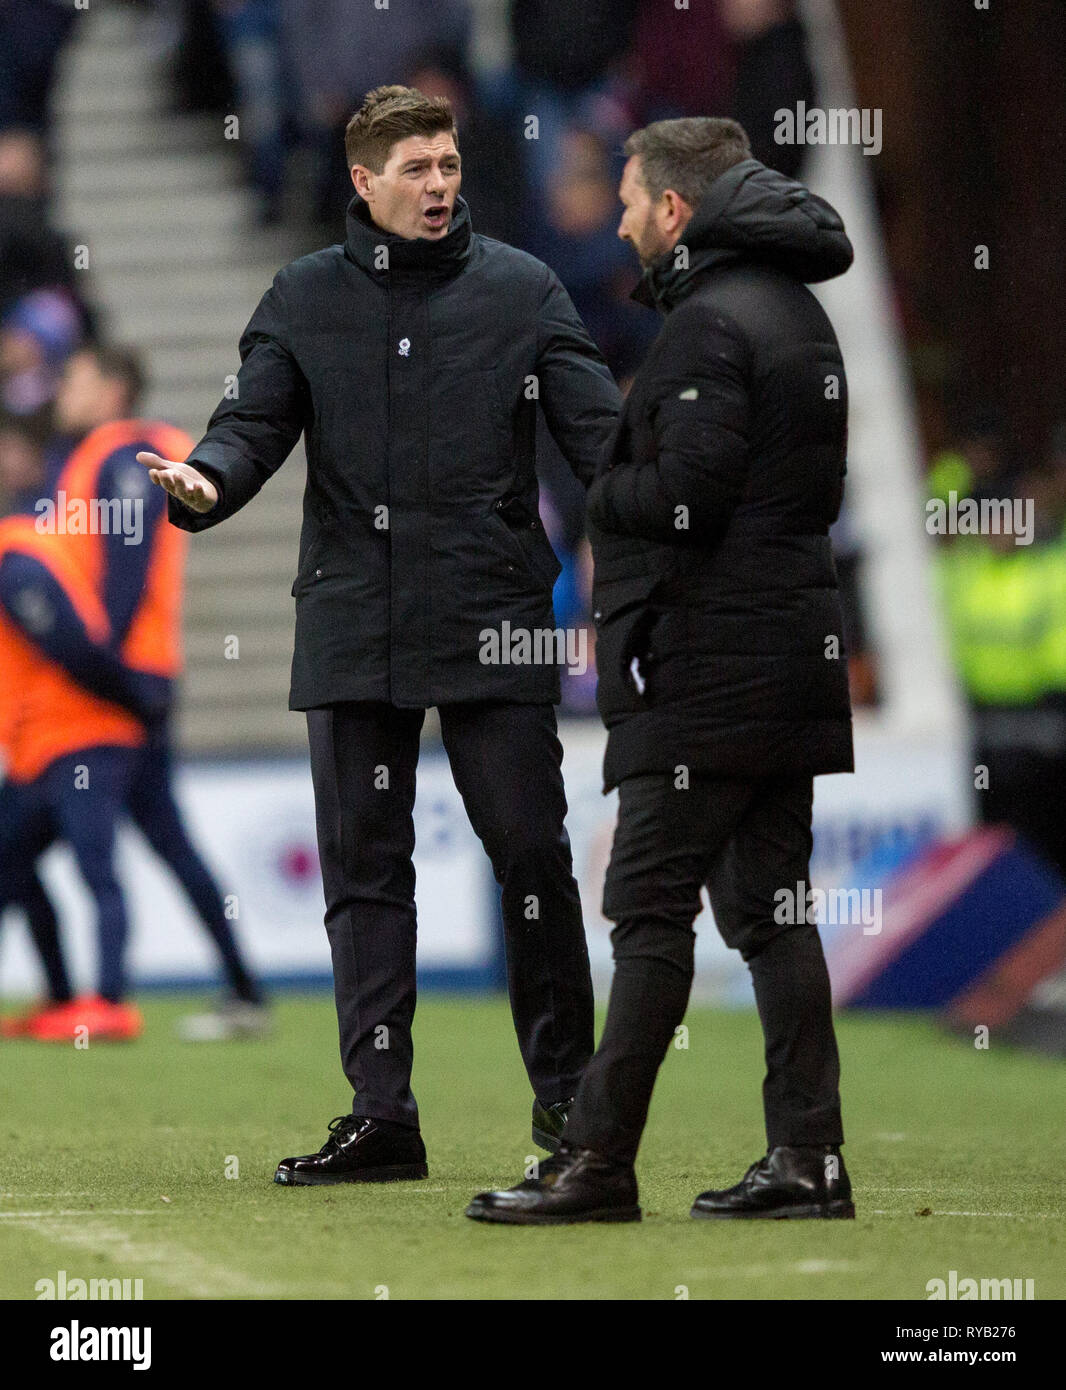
976, 466
22, 451
339, 52
37, 335
1005, 606
742, 58
575, 230
32, 35
492, 153
32, 254
568, 47
251, 32
200, 70
566, 58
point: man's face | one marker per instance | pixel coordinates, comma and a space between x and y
643, 222
415, 193
86, 397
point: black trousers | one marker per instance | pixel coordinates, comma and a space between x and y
745, 841
506, 760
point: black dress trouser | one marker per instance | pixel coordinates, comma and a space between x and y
745, 840
506, 761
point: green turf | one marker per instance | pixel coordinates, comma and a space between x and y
112, 1164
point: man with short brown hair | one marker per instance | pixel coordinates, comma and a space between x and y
722, 678
413, 358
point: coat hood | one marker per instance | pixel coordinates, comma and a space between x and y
416, 258
753, 213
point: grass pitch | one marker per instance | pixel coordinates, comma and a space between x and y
114, 1162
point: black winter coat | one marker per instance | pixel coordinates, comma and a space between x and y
413, 368
719, 626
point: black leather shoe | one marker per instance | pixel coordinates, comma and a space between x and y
789, 1183
359, 1150
549, 1121
574, 1185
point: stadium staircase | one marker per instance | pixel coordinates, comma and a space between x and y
177, 267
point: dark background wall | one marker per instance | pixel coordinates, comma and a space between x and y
974, 109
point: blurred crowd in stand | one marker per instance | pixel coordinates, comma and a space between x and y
541, 138
46, 309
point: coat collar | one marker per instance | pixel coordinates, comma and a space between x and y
417, 259
751, 213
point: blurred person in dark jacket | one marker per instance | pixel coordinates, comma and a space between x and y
32, 253
251, 33
566, 59
745, 57
32, 36
494, 175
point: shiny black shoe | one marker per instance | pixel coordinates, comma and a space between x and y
549, 1121
359, 1150
574, 1185
788, 1184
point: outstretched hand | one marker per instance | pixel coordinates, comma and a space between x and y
181, 480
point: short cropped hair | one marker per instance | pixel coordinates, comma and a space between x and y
389, 114
687, 155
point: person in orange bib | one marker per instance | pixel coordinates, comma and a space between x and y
134, 562
71, 720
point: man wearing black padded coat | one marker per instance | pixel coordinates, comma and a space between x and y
722, 676
413, 358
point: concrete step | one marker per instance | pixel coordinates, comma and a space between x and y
128, 94
225, 565
114, 134
270, 645
127, 232
221, 607
259, 728
172, 175
213, 289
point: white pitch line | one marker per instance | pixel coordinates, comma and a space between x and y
928, 1187
175, 1265
93, 1211
763, 1270
1009, 1215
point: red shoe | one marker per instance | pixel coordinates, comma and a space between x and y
101, 1021
18, 1025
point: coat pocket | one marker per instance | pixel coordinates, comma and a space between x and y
323, 558
526, 541
306, 574
624, 617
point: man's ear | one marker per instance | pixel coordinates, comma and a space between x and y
361, 180
678, 213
